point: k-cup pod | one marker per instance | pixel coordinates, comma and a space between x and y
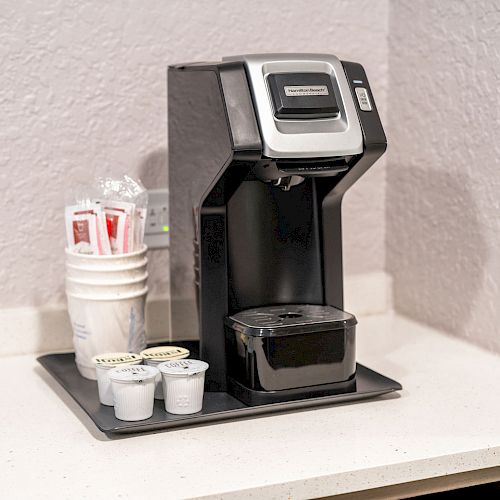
133, 391
103, 364
156, 355
183, 384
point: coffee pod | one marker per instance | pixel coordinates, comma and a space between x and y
103, 364
133, 391
156, 355
183, 385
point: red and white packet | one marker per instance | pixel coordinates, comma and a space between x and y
86, 230
117, 225
120, 218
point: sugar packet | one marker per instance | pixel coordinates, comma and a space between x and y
86, 229
120, 216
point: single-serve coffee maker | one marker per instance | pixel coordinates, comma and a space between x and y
262, 149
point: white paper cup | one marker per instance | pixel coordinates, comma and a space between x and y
103, 364
154, 356
133, 391
103, 323
105, 289
123, 273
106, 261
183, 385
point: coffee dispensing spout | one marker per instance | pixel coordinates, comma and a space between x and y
291, 172
285, 183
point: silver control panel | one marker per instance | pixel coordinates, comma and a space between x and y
336, 135
363, 99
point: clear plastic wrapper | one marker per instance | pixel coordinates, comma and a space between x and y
107, 216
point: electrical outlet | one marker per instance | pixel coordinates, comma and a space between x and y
157, 234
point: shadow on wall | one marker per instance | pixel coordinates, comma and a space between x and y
153, 170
436, 251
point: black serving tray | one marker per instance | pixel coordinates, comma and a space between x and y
217, 406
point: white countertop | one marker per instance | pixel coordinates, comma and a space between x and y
445, 421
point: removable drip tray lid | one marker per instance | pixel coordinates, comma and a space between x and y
289, 319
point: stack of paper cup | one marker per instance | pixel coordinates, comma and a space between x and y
106, 300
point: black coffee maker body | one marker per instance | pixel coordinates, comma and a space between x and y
262, 149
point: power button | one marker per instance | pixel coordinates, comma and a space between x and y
363, 99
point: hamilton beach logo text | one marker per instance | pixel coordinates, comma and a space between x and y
305, 90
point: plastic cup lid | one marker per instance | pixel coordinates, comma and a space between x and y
133, 374
183, 367
116, 359
164, 353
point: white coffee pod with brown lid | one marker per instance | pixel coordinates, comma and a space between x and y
133, 391
153, 356
103, 364
164, 353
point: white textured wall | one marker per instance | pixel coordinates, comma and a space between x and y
83, 92
443, 189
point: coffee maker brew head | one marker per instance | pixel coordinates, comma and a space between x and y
303, 105
241, 132
306, 115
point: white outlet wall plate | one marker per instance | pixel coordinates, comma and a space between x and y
157, 234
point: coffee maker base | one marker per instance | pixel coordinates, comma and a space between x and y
253, 398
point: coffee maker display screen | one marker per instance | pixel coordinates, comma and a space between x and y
302, 95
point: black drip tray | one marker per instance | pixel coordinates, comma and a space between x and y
217, 406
